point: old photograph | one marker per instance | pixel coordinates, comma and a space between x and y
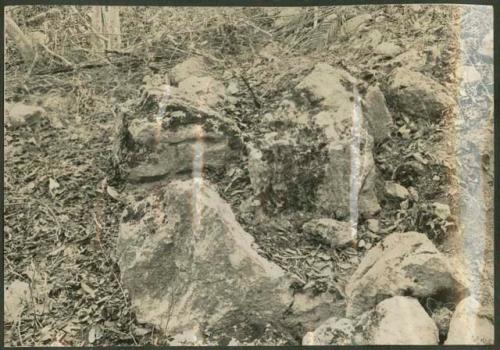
200, 176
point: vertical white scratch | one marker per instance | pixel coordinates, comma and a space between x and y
355, 178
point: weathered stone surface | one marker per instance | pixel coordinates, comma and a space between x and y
203, 91
340, 176
396, 191
279, 161
309, 311
348, 185
387, 49
418, 95
334, 331
188, 264
334, 128
401, 264
378, 119
176, 151
196, 66
396, 321
16, 295
326, 86
20, 114
333, 232
467, 327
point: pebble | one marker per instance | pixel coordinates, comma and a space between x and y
373, 225
441, 210
395, 190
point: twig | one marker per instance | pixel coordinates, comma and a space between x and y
19, 332
42, 16
255, 99
68, 63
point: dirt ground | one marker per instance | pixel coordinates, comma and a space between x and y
62, 203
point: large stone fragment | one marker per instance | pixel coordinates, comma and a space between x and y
396, 321
418, 95
188, 264
348, 188
378, 119
165, 152
402, 264
467, 327
334, 233
17, 295
196, 66
334, 331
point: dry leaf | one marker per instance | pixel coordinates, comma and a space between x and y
53, 185
113, 193
87, 289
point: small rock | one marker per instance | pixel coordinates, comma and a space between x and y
16, 295
195, 66
418, 95
442, 317
467, 327
396, 191
387, 49
373, 225
376, 113
336, 233
20, 114
334, 331
310, 310
403, 263
441, 210
361, 243
396, 321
